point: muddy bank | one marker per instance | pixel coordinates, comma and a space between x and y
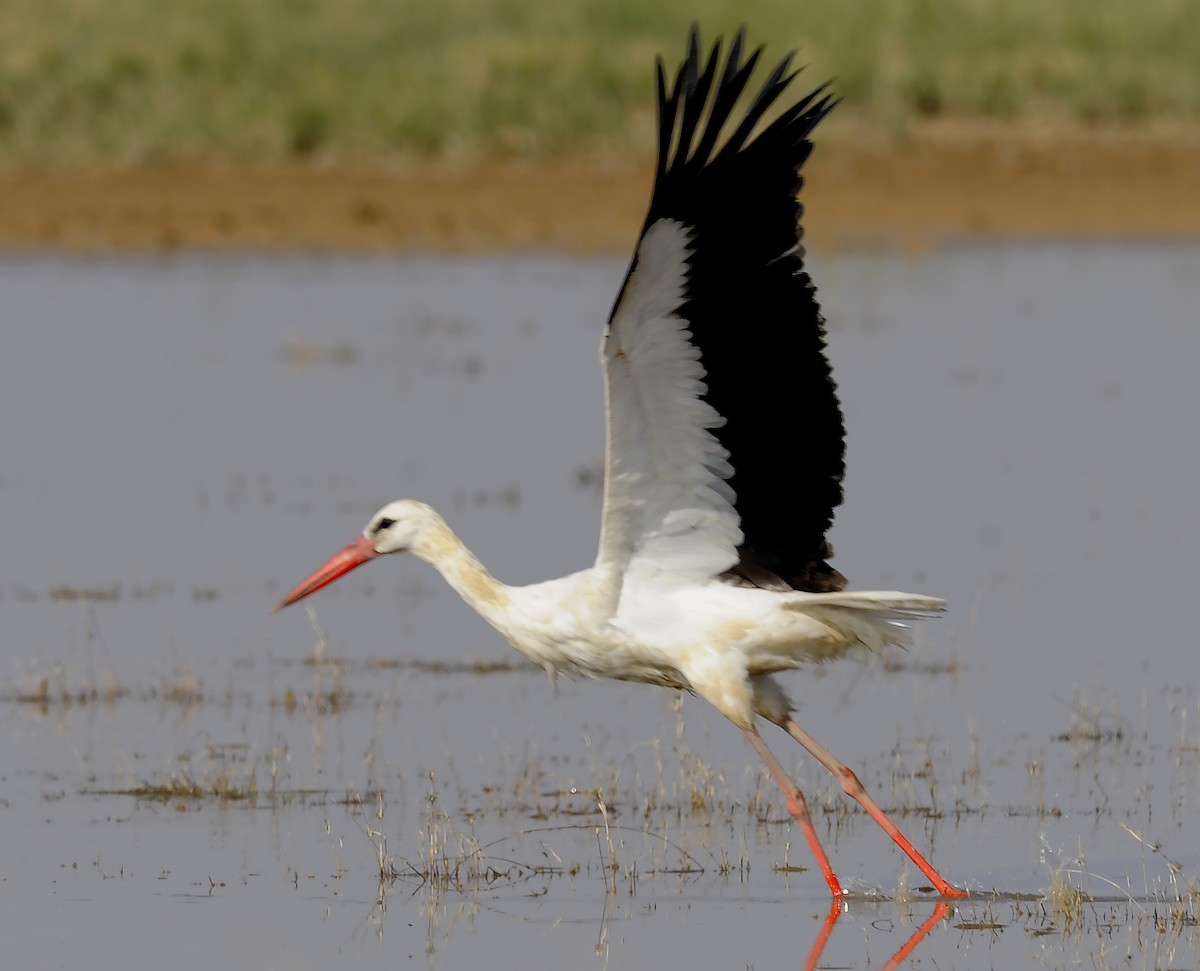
908, 195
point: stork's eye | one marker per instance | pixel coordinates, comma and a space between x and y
384, 524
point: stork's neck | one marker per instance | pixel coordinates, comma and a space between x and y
461, 568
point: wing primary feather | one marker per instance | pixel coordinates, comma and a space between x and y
733, 83
666, 119
807, 113
685, 81
694, 99
767, 96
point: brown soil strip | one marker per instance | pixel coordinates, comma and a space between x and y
909, 195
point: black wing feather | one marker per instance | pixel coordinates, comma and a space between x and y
733, 83
752, 309
694, 88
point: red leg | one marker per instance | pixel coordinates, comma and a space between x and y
940, 913
818, 947
853, 788
798, 807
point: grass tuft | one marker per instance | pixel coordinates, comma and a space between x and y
128, 81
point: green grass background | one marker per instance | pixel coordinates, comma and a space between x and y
86, 82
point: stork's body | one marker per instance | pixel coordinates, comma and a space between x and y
718, 640
725, 449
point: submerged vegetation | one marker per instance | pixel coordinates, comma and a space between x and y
357, 817
127, 81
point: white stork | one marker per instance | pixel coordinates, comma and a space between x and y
724, 448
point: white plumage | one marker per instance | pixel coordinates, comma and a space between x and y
724, 455
668, 509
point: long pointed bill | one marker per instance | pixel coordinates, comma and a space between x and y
356, 554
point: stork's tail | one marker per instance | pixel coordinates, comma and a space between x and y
889, 603
871, 618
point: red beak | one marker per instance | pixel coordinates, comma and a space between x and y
356, 554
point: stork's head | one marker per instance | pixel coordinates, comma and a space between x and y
399, 527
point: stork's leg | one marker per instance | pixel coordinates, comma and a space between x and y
940, 913
797, 806
853, 788
818, 948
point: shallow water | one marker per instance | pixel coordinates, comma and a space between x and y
186, 776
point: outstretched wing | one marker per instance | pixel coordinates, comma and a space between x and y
725, 439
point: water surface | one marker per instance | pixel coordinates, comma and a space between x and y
187, 777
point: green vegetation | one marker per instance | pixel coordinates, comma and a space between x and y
121, 81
